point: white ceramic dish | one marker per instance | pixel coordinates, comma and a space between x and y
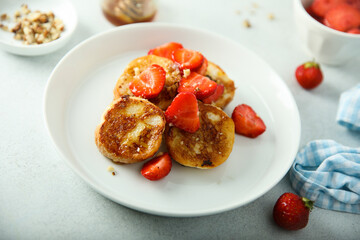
62, 9
325, 44
80, 88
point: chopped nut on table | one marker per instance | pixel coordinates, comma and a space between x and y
34, 27
246, 23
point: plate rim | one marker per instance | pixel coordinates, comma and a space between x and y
164, 212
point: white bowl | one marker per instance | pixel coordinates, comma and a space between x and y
326, 45
64, 10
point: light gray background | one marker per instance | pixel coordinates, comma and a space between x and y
42, 198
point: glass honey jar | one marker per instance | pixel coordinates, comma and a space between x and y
121, 12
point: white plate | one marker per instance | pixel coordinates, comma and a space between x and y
63, 9
80, 88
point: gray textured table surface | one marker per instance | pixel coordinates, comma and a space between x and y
42, 198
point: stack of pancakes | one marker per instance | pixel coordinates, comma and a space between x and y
132, 128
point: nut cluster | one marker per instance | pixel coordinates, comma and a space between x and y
34, 27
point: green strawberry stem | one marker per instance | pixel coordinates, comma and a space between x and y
308, 203
311, 64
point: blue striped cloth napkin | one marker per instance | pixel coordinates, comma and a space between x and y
348, 114
328, 173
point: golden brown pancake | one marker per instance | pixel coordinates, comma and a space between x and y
209, 146
131, 130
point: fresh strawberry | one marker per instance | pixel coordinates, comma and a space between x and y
149, 83
157, 168
184, 112
291, 212
321, 7
203, 67
342, 17
197, 84
166, 50
354, 31
247, 122
310, 11
216, 95
309, 75
187, 59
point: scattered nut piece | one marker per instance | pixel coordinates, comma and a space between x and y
271, 16
4, 17
246, 24
3, 27
186, 73
34, 27
110, 169
237, 12
159, 154
255, 5
136, 71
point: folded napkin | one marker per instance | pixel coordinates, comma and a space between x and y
328, 173
348, 114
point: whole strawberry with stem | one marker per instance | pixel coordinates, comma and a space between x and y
291, 211
309, 75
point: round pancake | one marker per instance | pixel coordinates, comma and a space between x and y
131, 130
209, 146
135, 67
215, 73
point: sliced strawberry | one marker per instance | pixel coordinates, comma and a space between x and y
197, 84
216, 95
321, 7
203, 67
166, 50
183, 112
343, 17
149, 83
157, 168
187, 59
247, 122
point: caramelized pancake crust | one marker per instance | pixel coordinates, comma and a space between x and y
131, 130
208, 147
215, 73
135, 67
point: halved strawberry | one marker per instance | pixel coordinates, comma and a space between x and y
187, 59
157, 168
197, 84
343, 17
216, 95
247, 122
203, 67
184, 112
166, 50
149, 83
